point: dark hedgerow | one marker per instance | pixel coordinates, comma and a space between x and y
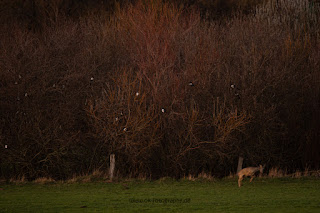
168, 92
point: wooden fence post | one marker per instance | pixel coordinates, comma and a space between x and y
112, 165
240, 161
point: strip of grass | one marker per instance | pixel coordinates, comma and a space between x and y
262, 195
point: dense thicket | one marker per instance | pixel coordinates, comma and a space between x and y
165, 88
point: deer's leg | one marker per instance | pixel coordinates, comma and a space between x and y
239, 180
251, 178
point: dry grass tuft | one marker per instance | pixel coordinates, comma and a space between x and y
44, 180
315, 173
276, 172
297, 174
96, 175
19, 180
189, 177
205, 176
232, 175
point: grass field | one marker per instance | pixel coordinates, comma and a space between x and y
262, 195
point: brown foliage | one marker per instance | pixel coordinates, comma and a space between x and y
166, 91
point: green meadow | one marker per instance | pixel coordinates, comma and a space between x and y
166, 195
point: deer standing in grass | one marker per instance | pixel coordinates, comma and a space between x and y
249, 171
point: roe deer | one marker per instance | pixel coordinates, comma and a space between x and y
249, 171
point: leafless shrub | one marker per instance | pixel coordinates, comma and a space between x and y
166, 91
124, 120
